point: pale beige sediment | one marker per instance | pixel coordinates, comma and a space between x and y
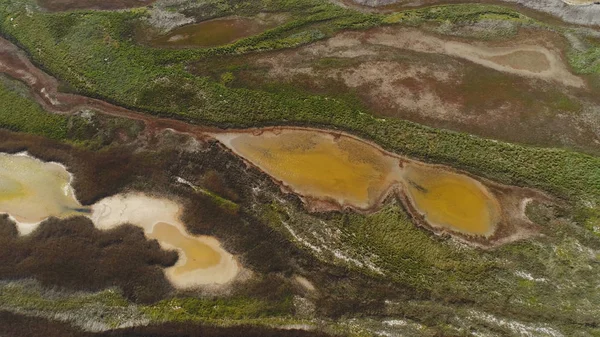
144, 211
33, 190
580, 2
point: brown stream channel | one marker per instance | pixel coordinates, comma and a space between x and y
331, 170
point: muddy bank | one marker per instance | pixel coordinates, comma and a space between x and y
439, 198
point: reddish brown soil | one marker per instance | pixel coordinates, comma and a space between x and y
68, 5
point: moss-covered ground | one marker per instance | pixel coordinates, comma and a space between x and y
373, 268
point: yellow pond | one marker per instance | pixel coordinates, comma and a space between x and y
451, 200
32, 190
341, 168
319, 165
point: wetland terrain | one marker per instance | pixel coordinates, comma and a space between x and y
299, 168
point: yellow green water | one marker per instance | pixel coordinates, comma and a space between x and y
341, 168
198, 254
318, 165
32, 190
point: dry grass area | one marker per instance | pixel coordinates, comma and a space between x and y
517, 90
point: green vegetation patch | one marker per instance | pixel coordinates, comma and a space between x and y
20, 113
460, 13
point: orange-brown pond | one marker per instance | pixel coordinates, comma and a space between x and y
213, 32
451, 200
321, 166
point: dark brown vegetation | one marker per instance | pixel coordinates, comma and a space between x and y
69, 5
14, 325
74, 254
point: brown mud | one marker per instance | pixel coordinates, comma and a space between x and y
210, 33
69, 5
45, 88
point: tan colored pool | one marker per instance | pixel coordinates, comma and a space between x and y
202, 260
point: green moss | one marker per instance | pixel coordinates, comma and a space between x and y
20, 113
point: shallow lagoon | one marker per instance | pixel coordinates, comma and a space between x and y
323, 166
